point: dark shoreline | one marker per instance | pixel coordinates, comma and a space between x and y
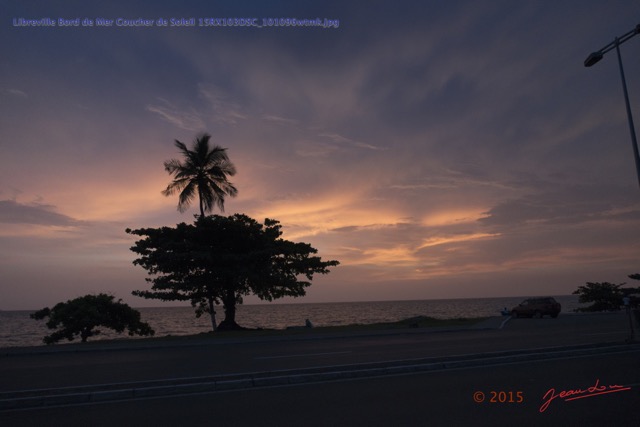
414, 323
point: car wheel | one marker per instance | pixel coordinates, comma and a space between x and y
537, 315
554, 315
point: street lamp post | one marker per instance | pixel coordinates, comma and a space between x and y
596, 57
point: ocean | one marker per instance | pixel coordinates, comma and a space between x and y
17, 329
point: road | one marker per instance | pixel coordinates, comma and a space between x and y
442, 398
104, 364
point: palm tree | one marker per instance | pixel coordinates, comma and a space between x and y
203, 173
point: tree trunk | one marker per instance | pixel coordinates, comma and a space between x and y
229, 322
212, 313
201, 205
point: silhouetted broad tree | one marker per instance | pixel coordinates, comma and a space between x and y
81, 317
605, 296
221, 259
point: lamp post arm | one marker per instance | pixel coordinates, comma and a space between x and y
619, 40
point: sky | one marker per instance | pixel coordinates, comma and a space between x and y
436, 149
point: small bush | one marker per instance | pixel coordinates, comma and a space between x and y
81, 317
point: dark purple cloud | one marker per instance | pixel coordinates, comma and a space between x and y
12, 212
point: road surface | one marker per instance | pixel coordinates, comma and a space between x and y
444, 398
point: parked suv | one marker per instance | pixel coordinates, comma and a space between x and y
537, 307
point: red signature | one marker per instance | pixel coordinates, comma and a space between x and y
567, 395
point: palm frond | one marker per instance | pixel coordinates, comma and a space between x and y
187, 195
175, 185
172, 166
201, 146
182, 147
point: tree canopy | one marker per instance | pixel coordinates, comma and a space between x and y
81, 317
605, 296
221, 259
203, 173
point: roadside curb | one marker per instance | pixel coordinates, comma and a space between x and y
32, 399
